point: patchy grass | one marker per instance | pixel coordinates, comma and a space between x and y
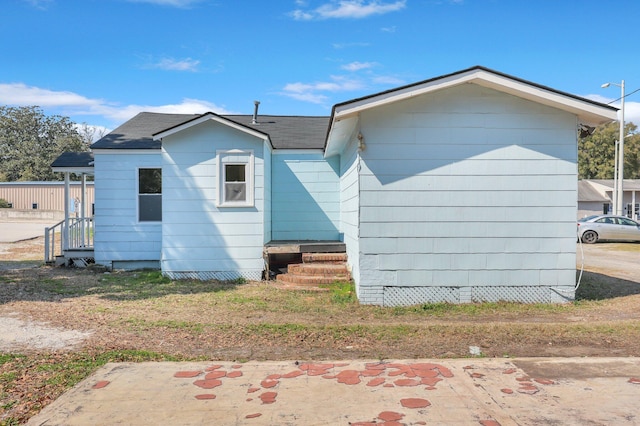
144, 316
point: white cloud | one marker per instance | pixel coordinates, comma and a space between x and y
388, 80
388, 29
349, 44
631, 109
348, 9
71, 104
357, 66
21, 94
174, 3
312, 92
171, 64
39, 4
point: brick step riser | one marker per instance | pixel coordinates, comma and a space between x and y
318, 269
324, 257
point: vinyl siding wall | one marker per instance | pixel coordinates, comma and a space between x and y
119, 237
349, 212
200, 239
306, 194
468, 194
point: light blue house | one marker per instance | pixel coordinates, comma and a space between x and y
459, 188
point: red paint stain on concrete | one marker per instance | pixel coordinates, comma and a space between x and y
206, 396
187, 374
101, 384
273, 376
468, 367
389, 385
324, 367
213, 367
208, 384
236, 366
528, 389
371, 373
507, 391
365, 424
489, 423
545, 381
523, 379
376, 382
375, 366
267, 384
292, 374
252, 416
234, 374
269, 397
390, 416
635, 380
215, 375
477, 375
426, 373
407, 382
509, 371
430, 381
414, 403
348, 377
252, 390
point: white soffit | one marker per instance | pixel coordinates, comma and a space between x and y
588, 112
341, 130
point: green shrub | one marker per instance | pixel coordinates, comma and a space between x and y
4, 204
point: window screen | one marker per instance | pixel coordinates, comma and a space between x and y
235, 184
150, 195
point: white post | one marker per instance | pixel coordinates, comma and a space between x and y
65, 230
620, 187
614, 191
82, 206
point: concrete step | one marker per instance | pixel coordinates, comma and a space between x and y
324, 257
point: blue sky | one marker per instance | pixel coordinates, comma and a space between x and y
102, 61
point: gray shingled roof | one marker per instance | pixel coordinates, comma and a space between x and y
74, 159
285, 132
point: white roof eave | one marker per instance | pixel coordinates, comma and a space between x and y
589, 113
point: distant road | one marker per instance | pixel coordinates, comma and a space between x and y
11, 232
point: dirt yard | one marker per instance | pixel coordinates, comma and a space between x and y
59, 325
57, 308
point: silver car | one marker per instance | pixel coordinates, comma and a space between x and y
607, 227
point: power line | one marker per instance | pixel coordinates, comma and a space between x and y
625, 96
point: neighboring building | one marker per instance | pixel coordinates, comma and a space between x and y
595, 196
45, 196
459, 188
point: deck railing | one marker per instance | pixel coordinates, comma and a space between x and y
80, 234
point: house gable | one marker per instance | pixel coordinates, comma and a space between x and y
344, 117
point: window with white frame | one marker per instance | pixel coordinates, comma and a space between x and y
235, 178
150, 195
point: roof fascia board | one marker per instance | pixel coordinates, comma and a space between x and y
486, 78
290, 151
89, 170
125, 151
206, 117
